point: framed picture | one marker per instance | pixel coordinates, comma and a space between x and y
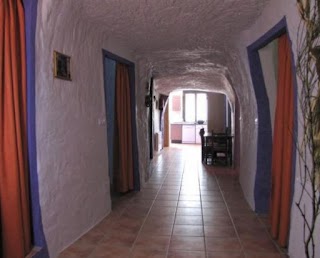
61, 66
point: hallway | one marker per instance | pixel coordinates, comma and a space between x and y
185, 210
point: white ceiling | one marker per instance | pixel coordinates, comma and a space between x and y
184, 42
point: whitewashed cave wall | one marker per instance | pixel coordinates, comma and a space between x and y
245, 109
271, 15
269, 64
71, 143
142, 80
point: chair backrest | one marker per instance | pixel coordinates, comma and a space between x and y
201, 132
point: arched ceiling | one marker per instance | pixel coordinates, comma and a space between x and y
192, 69
185, 42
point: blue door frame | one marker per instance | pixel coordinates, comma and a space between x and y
108, 55
262, 188
30, 10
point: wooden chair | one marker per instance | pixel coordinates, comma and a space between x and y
222, 149
206, 148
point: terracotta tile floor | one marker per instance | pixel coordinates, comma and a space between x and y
185, 210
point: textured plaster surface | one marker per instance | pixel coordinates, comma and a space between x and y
271, 15
186, 44
71, 145
216, 112
170, 24
269, 63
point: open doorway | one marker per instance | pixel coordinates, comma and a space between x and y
119, 84
271, 64
189, 111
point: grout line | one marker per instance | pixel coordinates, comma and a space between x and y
234, 226
104, 235
169, 161
146, 217
204, 236
175, 214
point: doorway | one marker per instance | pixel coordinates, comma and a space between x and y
264, 151
275, 89
114, 133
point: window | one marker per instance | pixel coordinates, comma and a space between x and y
195, 106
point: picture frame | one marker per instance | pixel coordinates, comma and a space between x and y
61, 66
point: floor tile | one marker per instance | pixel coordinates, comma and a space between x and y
215, 212
129, 222
162, 211
169, 191
78, 249
136, 211
157, 229
212, 198
214, 205
185, 197
225, 254
189, 204
188, 220
217, 221
219, 231
174, 187
249, 231
218, 244
92, 237
189, 211
148, 253
187, 243
168, 197
160, 243
121, 238
188, 254
134, 229
187, 230
141, 202
160, 220
111, 251
258, 244
264, 255
161, 203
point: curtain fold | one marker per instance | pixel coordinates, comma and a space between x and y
14, 181
124, 177
282, 146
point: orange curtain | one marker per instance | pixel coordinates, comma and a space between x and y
14, 192
124, 176
282, 146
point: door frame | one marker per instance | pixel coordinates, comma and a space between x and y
150, 120
262, 187
39, 240
135, 150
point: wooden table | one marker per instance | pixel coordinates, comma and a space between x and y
221, 147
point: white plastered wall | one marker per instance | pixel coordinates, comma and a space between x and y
71, 132
269, 64
216, 112
271, 15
